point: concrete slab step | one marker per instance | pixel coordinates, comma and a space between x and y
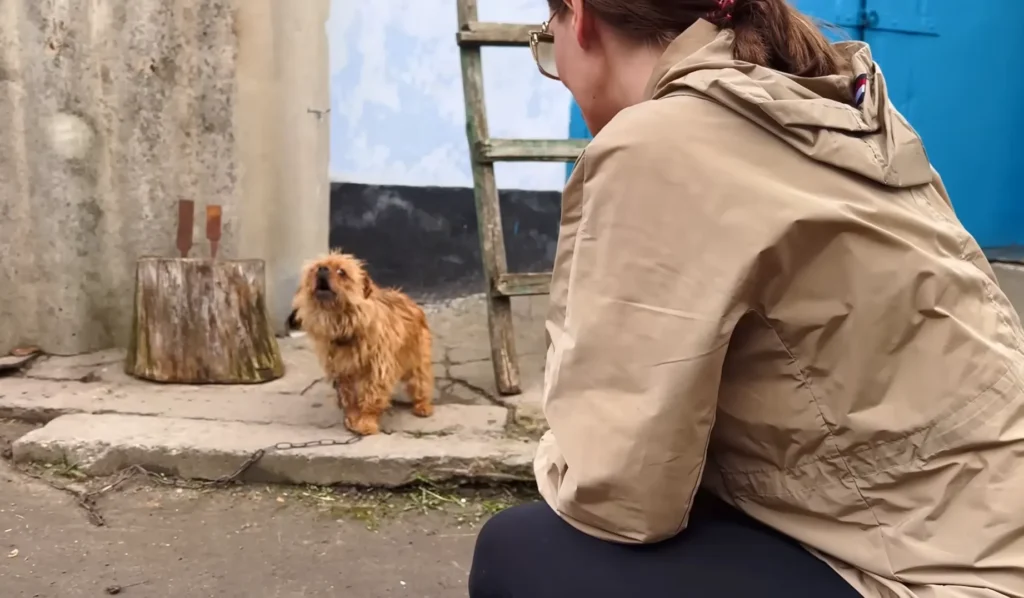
40, 401
204, 449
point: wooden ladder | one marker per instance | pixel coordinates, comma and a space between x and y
484, 152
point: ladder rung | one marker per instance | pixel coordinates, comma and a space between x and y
495, 34
530, 150
533, 283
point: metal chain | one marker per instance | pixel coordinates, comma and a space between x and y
258, 454
87, 499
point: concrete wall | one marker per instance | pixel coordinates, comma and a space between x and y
396, 92
112, 110
1011, 280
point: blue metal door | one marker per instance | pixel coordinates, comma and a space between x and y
950, 68
843, 14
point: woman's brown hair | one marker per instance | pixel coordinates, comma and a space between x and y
769, 33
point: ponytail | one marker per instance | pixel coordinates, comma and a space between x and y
772, 33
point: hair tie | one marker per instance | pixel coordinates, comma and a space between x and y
724, 12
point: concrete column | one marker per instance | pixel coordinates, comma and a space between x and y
300, 213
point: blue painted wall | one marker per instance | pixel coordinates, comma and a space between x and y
950, 70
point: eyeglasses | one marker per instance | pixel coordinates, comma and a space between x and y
542, 44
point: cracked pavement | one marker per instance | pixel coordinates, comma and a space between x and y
248, 541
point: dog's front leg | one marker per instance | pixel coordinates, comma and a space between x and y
372, 401
348, 400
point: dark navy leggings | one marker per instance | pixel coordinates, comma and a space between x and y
529, 552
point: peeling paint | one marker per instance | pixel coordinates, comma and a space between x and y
397, 113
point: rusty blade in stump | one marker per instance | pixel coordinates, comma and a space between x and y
186, 216
213, 227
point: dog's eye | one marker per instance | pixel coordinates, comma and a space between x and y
341, 273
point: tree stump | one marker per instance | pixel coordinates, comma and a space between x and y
202, 321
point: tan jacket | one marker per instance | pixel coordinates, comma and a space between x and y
764, 290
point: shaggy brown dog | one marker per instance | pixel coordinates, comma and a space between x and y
367, 338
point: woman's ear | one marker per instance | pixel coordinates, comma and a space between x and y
582, 22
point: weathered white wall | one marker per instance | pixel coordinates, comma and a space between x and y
112, 110
396, 95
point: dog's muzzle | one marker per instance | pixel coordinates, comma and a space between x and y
323, 281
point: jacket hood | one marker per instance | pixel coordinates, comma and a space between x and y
816, 116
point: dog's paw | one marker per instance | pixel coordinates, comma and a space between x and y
364, 426
423, 409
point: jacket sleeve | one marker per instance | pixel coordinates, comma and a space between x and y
655, 288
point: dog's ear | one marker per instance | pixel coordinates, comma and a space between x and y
368, 286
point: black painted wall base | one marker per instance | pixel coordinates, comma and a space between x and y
424, 239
